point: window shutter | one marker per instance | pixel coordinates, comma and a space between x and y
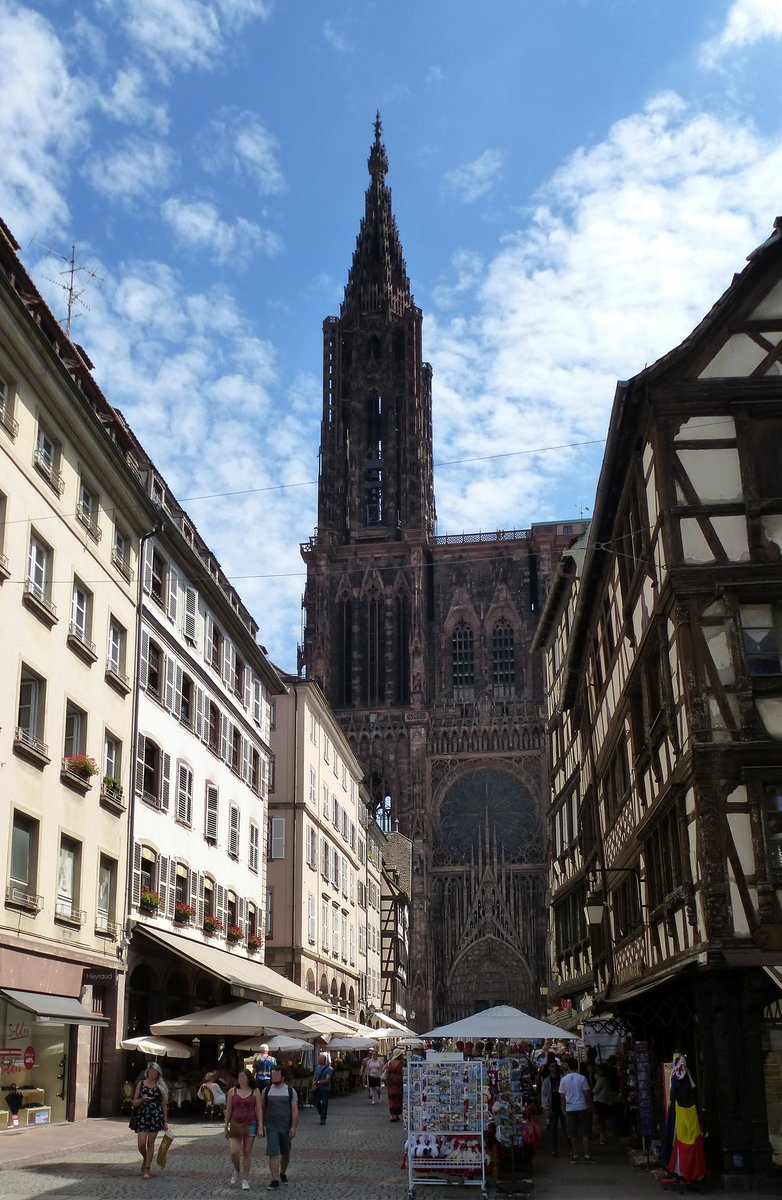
179, 676
264, 781
247, 687
149, 550
225, 738
200, 899
165, 785
144, 663
277, 839
241, 914
170, 689
199, 712
311, 917
252, 860
141, 746
209, 636
190, 623
221, 911
324, 858
173, 593
171, 888
257, 701
162, 882
184, 781
136, 892
211, 817
229, 661
233, 832
192, 880
246, 761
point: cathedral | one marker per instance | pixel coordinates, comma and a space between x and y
421, 643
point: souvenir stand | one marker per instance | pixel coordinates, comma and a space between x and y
445, 1117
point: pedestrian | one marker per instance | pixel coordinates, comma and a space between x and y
576, 1099
262, 1066
394, 1077
279, 1119
552, 1106
372, 1071
322, 1079
242, 1121
150, 1100
603, 1101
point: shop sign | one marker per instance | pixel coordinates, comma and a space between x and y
643, 1089
29, 1058
99, 976
565, 1004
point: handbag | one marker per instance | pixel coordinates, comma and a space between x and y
133, 1122
238, 1129
162, 1153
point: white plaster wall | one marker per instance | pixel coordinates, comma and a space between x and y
695, 548
713, 473
732, 532
708, 427
737, 358
770, 713
717, 642
771, 305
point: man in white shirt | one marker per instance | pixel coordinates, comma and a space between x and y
575, 1096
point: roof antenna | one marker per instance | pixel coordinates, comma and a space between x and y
71, 271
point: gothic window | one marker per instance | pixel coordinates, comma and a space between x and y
503, 659
462, 659
373, 656
402, 650
344, 659
373, 476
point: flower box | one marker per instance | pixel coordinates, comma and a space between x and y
149, 901
234, 934
254, 943
184, 913
82, 765
212, 926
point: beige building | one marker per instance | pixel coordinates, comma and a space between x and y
71, 517
324, 863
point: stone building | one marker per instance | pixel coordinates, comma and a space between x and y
421, 644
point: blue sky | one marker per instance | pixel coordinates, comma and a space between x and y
575, 182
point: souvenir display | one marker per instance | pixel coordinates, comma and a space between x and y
445, 1112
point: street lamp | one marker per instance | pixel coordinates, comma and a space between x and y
595, 906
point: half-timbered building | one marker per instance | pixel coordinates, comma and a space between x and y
663, 640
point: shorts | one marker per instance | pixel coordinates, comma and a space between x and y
579, 1122
374, 1081
278, 1142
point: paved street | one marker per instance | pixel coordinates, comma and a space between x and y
356, 1156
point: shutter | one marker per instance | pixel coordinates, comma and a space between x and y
171, 888
192, 880
179, 676
170, 688
212, 806
141, 747
209, 636
173, 593
144, 665
241, 914
163, 864
277, 838
248, 679
252, 854
182, 806
165, 785
190, 626
264, 780
199, 711
226, 664
220, 906
136, 890
246, 761
149, 550
257, 701
225, 738
324, 858
233, 832
200, 899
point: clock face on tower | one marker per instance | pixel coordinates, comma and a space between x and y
488, 802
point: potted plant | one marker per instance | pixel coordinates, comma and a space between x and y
183, 913
112, 785
254, 943
234, 934
149, 900
82, 765
212, 925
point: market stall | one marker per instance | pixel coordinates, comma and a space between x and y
445, 1118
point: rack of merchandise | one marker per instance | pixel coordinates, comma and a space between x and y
445, 1116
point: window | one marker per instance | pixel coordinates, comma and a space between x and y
209, 897
326, 745
344, 938
184, 795
616, 782
335, 812
255, 770
313, 729
324, 924
75, 730
313, 787
157, 578
254, 852
47, 459
236, 749
154, 672
765, 456
214, 726
185, 700
335, 932
68, 880
503, 658
663, 858
312, 847
81, 614
239, 670
117, 649
32, 696
39, 575
7, 408
182, 885
112, 757
312, 920
105, 899
153, 773
762, 641
120, 553
326, 806
344, 876
233, 831
462, 659
272, 766
276, 844
24, 859
148, 873
231, 909
269, 911
87, 511
324, 858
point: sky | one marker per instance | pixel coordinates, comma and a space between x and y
575, 183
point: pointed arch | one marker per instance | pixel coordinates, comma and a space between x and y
463, 661
503, 659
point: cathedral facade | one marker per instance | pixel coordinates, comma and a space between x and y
421, 644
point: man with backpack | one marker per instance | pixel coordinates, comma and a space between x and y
262, 1066
279, 1120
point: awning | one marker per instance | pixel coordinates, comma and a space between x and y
59, 1010
647, 985
328, 1023
775, 973
238, 972
243, 1018
386, 1020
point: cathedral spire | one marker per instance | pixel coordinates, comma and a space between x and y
378, 281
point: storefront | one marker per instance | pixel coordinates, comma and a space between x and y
37, 1055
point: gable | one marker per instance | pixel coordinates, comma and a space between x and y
752, 348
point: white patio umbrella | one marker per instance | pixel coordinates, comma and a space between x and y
244, 1018
282, 1041
500, 1022
157, 1047
351, 1043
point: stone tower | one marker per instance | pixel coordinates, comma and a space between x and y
421, 644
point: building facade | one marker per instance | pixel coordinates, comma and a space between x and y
421, 645
664, 664
72, 515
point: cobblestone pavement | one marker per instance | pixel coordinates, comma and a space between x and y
356, 1156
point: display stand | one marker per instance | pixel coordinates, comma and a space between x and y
445, 1118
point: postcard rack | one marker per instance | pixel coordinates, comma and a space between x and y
445, 1117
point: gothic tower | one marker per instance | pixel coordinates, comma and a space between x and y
421, 644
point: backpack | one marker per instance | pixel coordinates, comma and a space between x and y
263, 1070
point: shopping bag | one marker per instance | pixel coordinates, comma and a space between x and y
162, 1153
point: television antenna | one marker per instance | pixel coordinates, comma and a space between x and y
71, 271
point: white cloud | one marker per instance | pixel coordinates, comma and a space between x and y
134, 169
183, 34
333, 36
630, 244
126, 100
747, 22
474, 179
198, 224
239, 143
49, 105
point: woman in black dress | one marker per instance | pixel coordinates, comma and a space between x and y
150, 1100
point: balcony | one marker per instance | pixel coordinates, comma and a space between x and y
30, 747
9, 424
5, 570
79, 642
112, 795
106, 928
38, 602
66, 914
75, 775
118, 679
88, 521
17, 896
123, 565
45, 465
